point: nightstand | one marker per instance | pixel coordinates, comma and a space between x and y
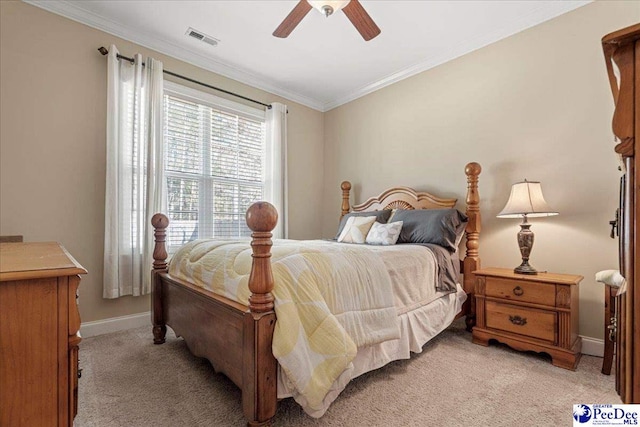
529, 312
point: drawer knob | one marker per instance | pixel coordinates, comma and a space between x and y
518, 291
517, 320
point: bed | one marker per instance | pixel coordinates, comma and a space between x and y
238, 339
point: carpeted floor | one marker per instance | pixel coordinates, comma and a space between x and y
127, 381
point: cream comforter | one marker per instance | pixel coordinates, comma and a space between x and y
330, 299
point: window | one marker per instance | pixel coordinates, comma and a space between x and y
215, 163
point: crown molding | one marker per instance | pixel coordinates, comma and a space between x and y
76, 13
538, 16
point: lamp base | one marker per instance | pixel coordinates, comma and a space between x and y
525, 242
525, 268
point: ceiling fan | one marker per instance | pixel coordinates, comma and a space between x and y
352, 8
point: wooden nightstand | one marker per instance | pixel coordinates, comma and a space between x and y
529, 312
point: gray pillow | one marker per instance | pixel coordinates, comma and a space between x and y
381, 217
438, 226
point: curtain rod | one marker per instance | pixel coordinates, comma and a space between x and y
103, 50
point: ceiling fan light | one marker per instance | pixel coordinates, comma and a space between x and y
327, 7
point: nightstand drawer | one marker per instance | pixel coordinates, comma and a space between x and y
531, 322
521, 290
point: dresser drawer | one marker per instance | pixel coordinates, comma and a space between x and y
521, 290
531, 322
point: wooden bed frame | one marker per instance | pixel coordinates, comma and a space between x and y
236, 338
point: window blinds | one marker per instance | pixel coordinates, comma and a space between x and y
214, 169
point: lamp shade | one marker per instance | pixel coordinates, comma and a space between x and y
335, 5
526, 199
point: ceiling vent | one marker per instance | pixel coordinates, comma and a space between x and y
199, 35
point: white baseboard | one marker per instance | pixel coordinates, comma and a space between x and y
592, 346
115, 324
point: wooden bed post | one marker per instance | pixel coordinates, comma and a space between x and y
472, 259
346, 186
259, 380
160, 223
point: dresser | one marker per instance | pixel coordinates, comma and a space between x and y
529, 312
39, 324
622, 60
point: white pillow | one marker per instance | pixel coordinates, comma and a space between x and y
356, 229
384, 234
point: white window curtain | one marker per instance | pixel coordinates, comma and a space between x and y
275, 186
135, 172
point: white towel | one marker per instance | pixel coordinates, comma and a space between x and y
612, 278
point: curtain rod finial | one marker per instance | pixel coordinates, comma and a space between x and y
103, 50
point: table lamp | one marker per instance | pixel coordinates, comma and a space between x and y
526, 200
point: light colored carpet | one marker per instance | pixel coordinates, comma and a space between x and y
128, 381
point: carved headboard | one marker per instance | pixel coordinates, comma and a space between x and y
396, 198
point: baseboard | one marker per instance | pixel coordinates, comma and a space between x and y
592, 346
115, 324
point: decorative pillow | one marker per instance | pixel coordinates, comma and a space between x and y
356, 229
381, 217
384, 234
439, 226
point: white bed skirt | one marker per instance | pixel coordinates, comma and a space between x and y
417, 327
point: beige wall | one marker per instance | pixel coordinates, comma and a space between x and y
536, 105
52, 142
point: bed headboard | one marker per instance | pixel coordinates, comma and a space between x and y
396, 198
407, 198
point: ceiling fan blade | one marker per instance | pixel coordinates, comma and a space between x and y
361, 20
293, 19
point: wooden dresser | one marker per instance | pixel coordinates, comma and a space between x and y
622, 59
39, 324
529, 312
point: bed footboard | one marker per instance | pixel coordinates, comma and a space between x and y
160, 223
236, 339
259, 378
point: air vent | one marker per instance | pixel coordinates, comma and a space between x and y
199, 35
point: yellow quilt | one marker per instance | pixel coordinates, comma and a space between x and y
330, 299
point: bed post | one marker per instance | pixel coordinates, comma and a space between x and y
259, 396
160, 223
472, 259
346, 186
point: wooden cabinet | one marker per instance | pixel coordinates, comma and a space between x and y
39, 324
622, 58
529, 312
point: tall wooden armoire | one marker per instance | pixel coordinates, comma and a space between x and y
622, 54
